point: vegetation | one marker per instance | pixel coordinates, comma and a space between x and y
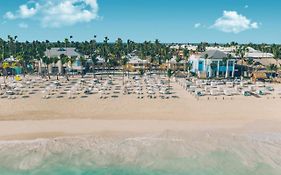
241, 53
170, 74
114, 52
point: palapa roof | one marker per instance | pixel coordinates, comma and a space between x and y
259, 75
259, 55
260, 62
253, 53
267, 61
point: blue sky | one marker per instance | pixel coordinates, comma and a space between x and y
168, 20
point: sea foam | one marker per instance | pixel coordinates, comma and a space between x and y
165, 153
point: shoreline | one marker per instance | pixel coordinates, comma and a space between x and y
29, 130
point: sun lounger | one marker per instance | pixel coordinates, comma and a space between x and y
214, 92
246, 93
199, 93
227, 92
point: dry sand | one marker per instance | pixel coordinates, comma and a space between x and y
36, 118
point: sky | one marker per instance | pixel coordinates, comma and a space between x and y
170, 21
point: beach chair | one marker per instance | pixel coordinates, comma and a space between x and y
246, 93
214, 92
227, 92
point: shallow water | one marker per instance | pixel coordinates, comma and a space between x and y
168, 153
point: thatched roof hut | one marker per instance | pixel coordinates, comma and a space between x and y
259, 76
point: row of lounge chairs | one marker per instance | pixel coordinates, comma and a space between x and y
227, 88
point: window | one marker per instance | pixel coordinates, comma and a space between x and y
201, 66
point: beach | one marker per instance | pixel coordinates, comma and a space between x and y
93, 110
127, 134
87, 146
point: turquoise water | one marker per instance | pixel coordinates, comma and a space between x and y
163, 154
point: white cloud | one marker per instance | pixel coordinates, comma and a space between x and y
197, 25
10, 15
232, 22
57, 13
23, 25
255, 25
25, 11
246, 6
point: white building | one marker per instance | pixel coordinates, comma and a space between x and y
230, 49
57, 52
173, 63
256, 54
212, 63
136, 63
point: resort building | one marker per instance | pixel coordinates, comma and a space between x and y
135, 64
256, 61
227, 50
212, 63
256, 54
57, 52
261, 58
99, 63
184, 46
176, 63
13, 68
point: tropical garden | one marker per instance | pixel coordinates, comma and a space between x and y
114, 52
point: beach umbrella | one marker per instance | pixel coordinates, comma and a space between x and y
151, 92
18, 78
138, 92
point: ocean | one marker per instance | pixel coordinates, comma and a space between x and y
168, 153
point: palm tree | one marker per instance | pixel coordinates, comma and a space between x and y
241, 52
250, 63
277, 55
47, 61
188, 67
66, 41
213, 67
105, 52
13, 68
21, 61
64, 59
10, 44
82, 61
272, 68
5, 66
206, 56
186, 56
225, 63
94, 63
141, 72
2, 44
178, 59
124, 62
55, 60
118, 49
169, 74
112, 63
72, 61
93, 46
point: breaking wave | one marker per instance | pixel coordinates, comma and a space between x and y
176, 153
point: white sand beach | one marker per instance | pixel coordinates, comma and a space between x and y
35, 117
